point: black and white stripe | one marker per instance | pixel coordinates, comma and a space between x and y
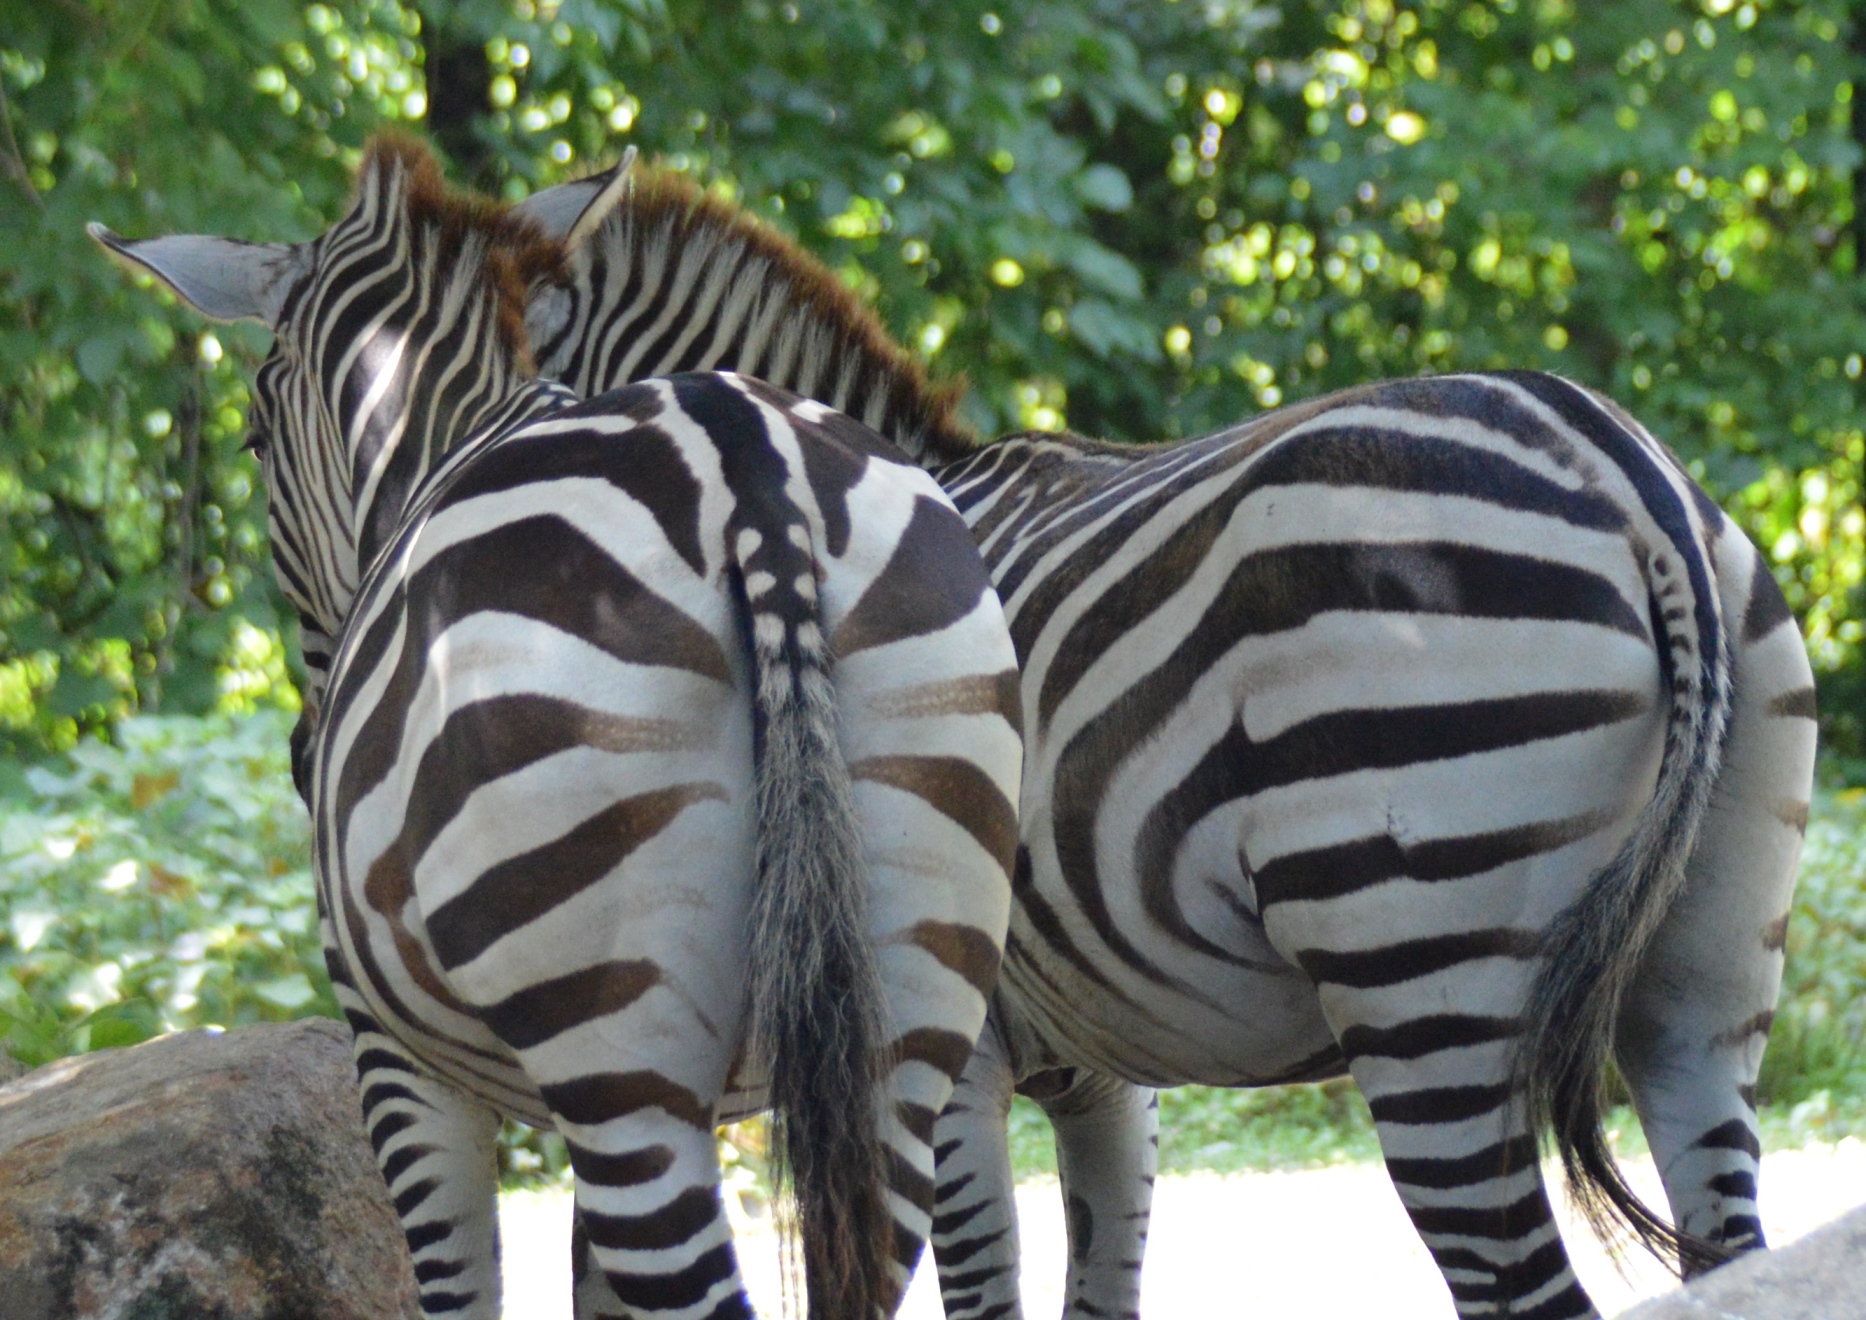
666, 763
1357, 738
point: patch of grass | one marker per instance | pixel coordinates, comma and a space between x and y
1215, 1129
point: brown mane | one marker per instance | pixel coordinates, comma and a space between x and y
662, 201
517, 252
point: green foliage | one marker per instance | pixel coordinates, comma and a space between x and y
132, 532
1140, 220
157, 884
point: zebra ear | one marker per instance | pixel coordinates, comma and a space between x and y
572, 212
222, 278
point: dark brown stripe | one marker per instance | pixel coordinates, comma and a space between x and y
1426, 1035
958, 790
965, 950
646, 464
1407, 960
388, 888
1345, 868
1799, 703
570, 585
1497, 1161
1443, 1104
687, 1215
1526, 1276
1281, 589
917, 1119
515, 892
959, 1252
1504, 1223
913, 1186
679, 1290
630, 1169
933, 579
1734, 1135
1740, 1184
547, 1009
945, 1050
601, 1097
499, 736
1768, 607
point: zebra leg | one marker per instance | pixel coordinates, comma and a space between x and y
1107, 1148
975, 1213
650, 1236
1692, 1031
437, 1150
1430, 1047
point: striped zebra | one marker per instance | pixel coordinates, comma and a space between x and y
1441, 732
602, 838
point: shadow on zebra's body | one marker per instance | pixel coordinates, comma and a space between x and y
1439, 731
603, 837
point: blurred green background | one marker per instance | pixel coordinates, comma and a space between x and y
1138, 220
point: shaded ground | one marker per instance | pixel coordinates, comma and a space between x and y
1312, 1244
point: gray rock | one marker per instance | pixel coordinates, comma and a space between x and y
223, 1176
1819, 1277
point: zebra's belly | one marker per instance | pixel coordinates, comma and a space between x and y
1246, 1027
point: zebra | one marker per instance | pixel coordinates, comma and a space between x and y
1440, 732
604, 837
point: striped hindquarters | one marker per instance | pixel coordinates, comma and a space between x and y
1339, 723
586, 774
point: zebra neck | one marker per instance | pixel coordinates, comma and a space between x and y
415, 459
674, 283
1019, 477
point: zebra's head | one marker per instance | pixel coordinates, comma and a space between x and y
399, 332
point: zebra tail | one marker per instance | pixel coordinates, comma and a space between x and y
1593, 949
817, 1010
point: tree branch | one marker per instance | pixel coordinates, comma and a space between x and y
16, 163
1856, 45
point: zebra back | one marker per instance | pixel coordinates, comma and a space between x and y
676, 280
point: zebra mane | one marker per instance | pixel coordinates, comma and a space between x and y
676, 279
513, 253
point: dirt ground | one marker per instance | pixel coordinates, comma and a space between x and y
1314, 1244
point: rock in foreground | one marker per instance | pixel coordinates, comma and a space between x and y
216, 1176
1820, 1277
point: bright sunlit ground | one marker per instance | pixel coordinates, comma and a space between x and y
1313, 1244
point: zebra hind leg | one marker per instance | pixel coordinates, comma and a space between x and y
651, 1236
1429, 1034
974, 1212
1692, 1030
437, 1150
1107, 1149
